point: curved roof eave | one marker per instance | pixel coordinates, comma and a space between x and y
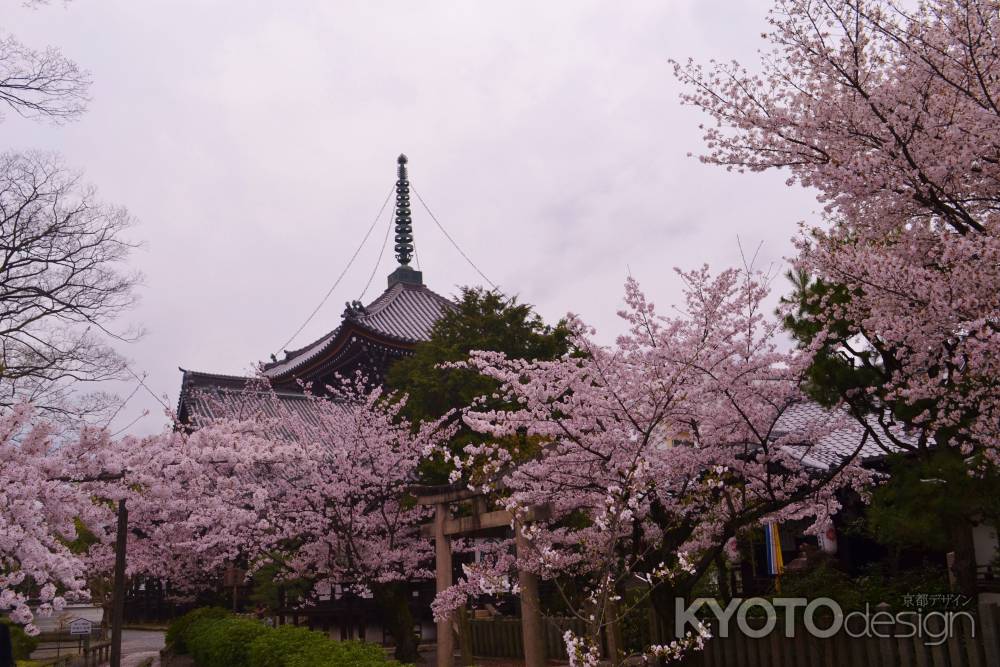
402, 316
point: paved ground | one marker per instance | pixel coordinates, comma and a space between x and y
137, 645
428, 658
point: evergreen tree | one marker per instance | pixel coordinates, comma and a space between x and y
484, 320
934, 493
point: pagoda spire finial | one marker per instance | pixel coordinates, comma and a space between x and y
404, 224
404, 273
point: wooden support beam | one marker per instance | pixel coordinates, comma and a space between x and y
470, 524
118, 594
441, 530
435, 495
532, 630
442, 566
485, 521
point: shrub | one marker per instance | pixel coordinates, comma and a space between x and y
339, 654
22, 644
216, 638
223, 642
290, 646
178, 630
274, 648
824, 580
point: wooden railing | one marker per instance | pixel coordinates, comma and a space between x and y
92, 656
97, 654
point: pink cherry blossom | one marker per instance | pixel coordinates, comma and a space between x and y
315, 485
889, 110
38, 506
642, 460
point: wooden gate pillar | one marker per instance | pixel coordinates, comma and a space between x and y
442, 564
531, 609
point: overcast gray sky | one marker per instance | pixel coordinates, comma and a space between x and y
255, 142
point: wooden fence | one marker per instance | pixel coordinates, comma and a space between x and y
963, 646
501, 637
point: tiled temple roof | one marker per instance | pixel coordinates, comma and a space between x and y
841, 442
207, 396
404, 313
401, 316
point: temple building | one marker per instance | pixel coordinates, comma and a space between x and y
367, 339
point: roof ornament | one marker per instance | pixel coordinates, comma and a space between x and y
404, 224
354, 309
404, 273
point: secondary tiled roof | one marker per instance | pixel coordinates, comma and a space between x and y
208, 396
842, 441
405, 312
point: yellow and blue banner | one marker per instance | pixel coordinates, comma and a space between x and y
772, 543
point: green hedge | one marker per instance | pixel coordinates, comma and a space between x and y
216, 638
338, 654
223, 642
178, 629
276, 647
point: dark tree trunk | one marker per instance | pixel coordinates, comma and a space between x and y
964, 565
464, 637
722, 572
662, 599
394, 601
895, 555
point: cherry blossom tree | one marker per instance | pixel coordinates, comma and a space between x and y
180, 488
39, 507
889, 111
638, 463
317, 486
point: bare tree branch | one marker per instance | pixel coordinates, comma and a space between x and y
41, 84
62, 284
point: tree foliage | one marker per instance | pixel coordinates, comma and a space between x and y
483, 320
923, 501
315, 489
40, 511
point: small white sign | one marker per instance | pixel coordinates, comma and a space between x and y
80, 626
